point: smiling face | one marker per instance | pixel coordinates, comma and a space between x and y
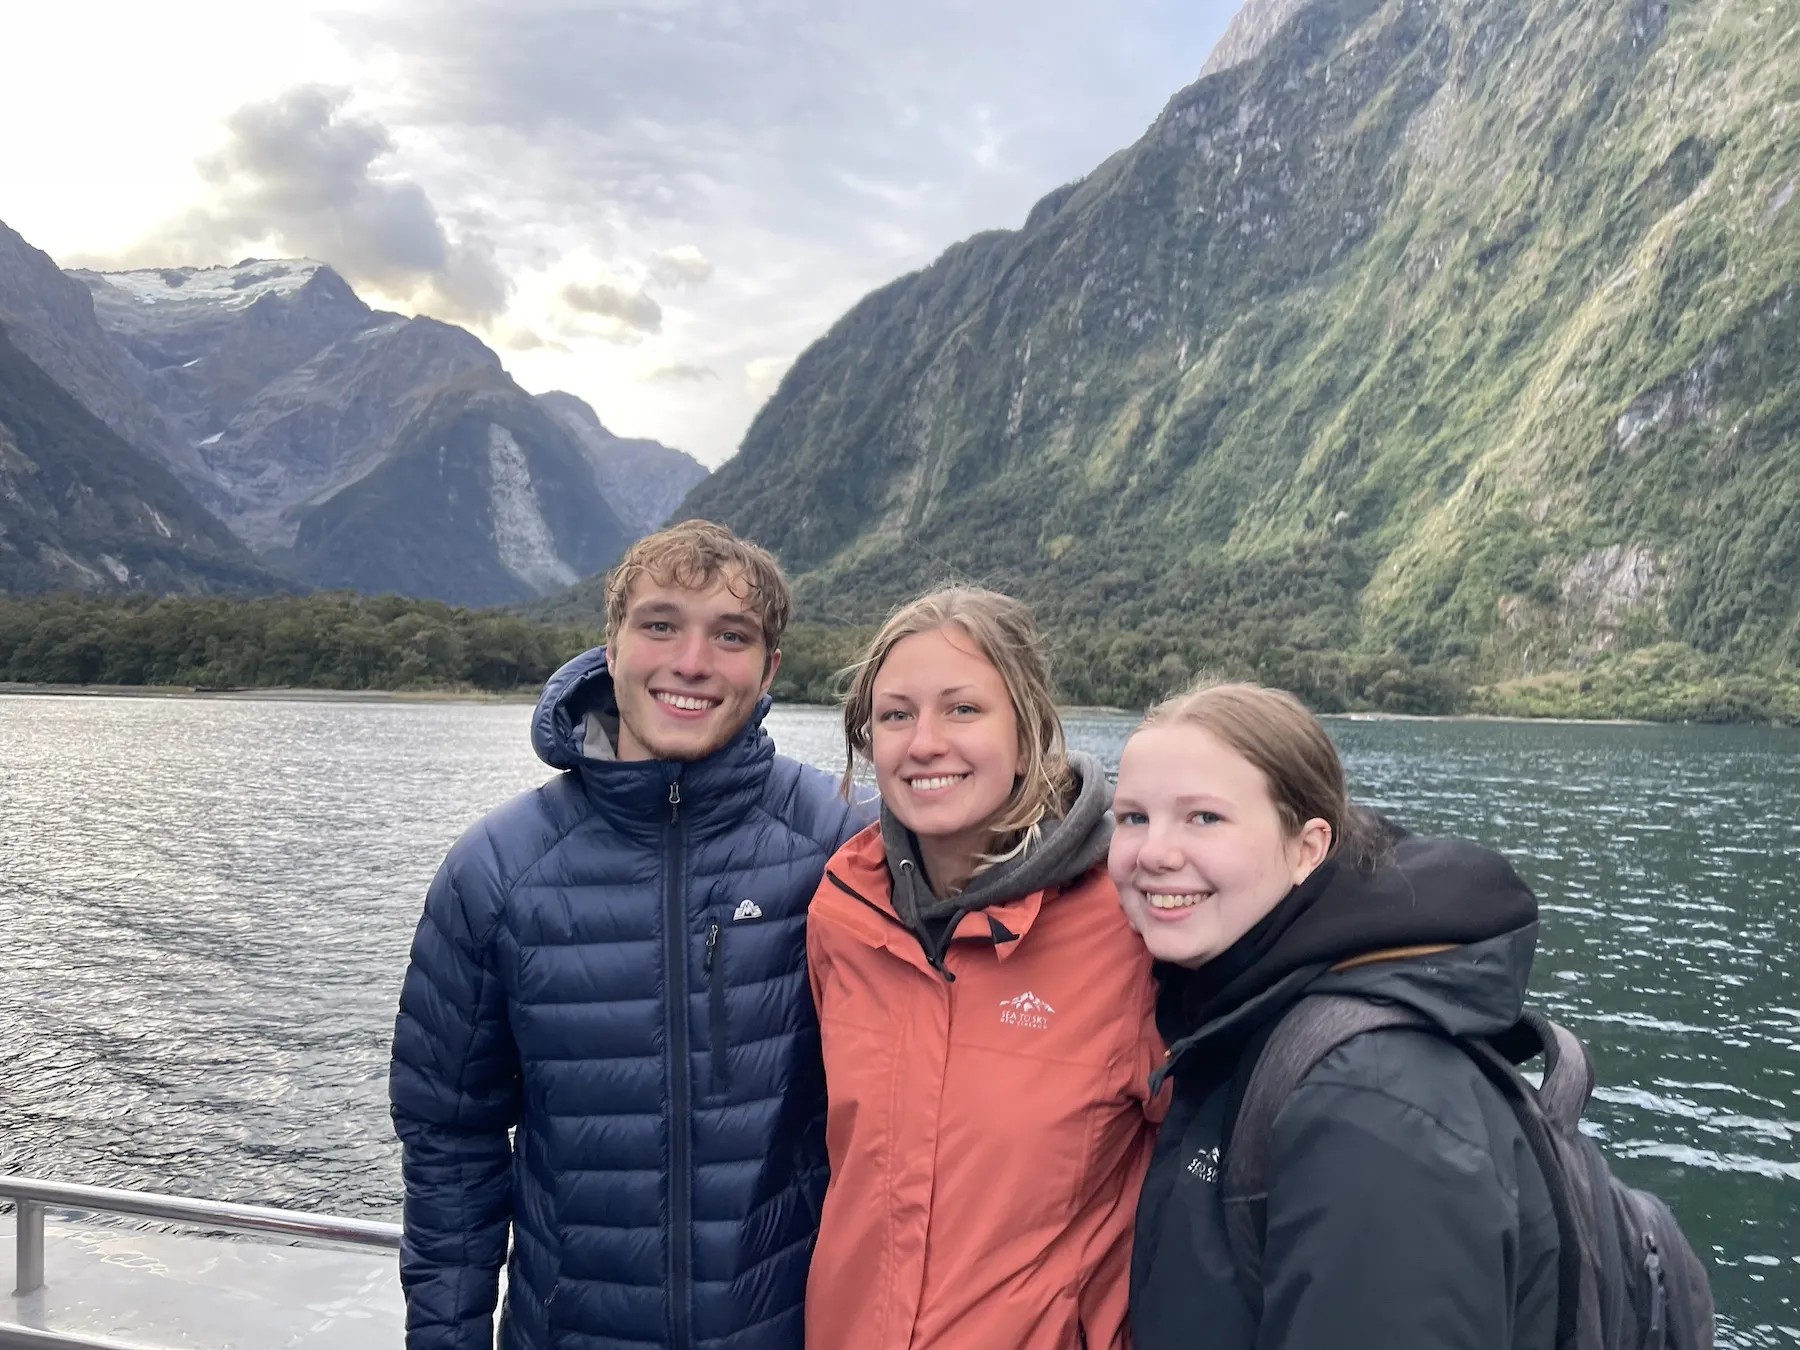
945, 744
688, 667
1200, 854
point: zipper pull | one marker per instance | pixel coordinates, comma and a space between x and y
712, 947
674, 803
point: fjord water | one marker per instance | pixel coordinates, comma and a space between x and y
205, 908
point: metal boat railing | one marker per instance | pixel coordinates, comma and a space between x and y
32, 1197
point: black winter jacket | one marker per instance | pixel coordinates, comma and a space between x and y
1405, 1210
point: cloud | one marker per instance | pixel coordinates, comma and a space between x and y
681, 371
298, 174
517, 338
683, 265
631, 309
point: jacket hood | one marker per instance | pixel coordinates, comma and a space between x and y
569, 731
1443, 926
1066, 848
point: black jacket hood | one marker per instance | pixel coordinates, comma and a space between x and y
1430, 894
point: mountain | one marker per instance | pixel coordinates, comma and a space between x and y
1457, 336
357, 448
482, 499
52, 322
644, 480
82, 510
216, 336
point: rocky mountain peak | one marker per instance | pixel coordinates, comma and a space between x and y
1249, 32
644, 480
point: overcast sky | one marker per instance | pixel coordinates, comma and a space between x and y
655, 204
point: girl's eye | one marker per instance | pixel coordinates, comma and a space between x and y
1206, 817
1131, 818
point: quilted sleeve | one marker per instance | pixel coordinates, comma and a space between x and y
454, 1091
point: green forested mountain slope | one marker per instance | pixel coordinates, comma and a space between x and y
1456, 335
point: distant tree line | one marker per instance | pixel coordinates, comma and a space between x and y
339, 640
327, 640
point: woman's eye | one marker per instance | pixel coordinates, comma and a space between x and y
1131, 818
965, 710
891, 715
1206, 817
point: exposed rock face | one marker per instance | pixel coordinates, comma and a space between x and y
82, 510
215, 337
333, 419
51, 319
1249, 32
484, 500
644, 480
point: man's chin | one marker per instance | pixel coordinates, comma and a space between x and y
698, 742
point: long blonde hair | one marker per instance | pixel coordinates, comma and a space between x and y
1007, 637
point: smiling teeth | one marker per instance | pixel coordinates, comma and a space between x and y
684, 703
1173, 901
933, 784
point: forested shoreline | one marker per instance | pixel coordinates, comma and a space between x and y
342, 641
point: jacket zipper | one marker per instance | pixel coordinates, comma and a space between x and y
935, 961
714, 969
675, 977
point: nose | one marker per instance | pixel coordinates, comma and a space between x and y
693, 657
927, 737
1157, 851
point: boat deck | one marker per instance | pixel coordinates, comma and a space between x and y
166, 1290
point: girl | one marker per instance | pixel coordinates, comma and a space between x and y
987, 1014
1404, 1208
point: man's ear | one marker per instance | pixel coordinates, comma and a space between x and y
774, 665
612, 653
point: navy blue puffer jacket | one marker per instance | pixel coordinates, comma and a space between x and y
614, 964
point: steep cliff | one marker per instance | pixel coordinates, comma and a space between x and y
1458, 334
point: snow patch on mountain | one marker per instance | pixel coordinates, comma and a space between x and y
522, 536
236, 287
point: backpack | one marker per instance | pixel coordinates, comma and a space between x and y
1627, 1278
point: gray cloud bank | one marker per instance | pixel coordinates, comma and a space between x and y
742, 171
298, 172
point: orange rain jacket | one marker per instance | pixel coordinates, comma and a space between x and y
988, 1135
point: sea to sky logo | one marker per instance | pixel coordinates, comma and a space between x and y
747, 909
1205, 1166
1027, 1010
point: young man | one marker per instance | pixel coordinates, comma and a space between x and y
612, 967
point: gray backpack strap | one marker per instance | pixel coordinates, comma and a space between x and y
1311, 1030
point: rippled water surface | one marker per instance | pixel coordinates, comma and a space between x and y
205, 908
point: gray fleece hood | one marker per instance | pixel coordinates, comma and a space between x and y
1064, 850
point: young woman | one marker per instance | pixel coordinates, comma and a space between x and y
1404, 1209
987, 1013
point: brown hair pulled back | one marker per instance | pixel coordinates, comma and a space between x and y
1279, 735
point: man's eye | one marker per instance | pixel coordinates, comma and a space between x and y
734, 638
659, 626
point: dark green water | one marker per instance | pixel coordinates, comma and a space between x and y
1666, 861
